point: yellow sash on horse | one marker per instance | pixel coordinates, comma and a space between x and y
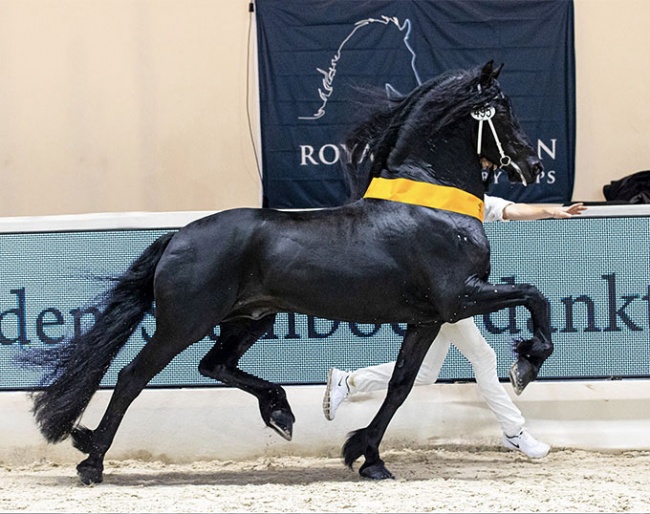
428, 195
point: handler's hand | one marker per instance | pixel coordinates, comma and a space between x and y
567, 212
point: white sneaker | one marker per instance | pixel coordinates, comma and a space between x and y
526, 444
335, 392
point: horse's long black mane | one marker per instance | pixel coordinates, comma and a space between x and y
434, 105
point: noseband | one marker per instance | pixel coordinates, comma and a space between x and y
486, 113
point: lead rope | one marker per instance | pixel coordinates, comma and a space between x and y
486, 113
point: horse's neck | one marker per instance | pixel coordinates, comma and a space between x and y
460, 170
448, 159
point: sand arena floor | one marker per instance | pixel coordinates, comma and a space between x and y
449, 479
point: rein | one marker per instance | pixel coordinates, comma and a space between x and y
486, 113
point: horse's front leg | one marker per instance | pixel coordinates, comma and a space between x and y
531, 353
221, 364
415, 346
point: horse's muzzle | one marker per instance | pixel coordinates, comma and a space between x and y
536, 168
527, 172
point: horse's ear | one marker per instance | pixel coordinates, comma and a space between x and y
487, 75
497, 72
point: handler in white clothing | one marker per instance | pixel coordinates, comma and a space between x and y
466, 336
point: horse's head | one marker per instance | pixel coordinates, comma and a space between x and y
500, 138
433, 133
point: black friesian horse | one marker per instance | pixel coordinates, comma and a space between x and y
412, 250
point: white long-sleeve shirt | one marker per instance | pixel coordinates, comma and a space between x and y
494, 208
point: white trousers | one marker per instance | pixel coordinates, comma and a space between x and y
466, 336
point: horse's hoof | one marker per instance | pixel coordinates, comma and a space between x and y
375, 472
89, 473
282, 423
521, 374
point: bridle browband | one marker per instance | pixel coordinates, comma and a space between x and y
486, 113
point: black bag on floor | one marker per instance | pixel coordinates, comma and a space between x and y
634, 188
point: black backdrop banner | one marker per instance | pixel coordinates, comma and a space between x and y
315, 55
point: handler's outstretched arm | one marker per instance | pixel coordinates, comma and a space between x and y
530, 211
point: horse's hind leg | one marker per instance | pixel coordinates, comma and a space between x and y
152, 359
417, 342
221, 364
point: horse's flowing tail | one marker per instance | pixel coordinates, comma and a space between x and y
77, 367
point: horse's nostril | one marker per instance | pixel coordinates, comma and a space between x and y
538, 167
